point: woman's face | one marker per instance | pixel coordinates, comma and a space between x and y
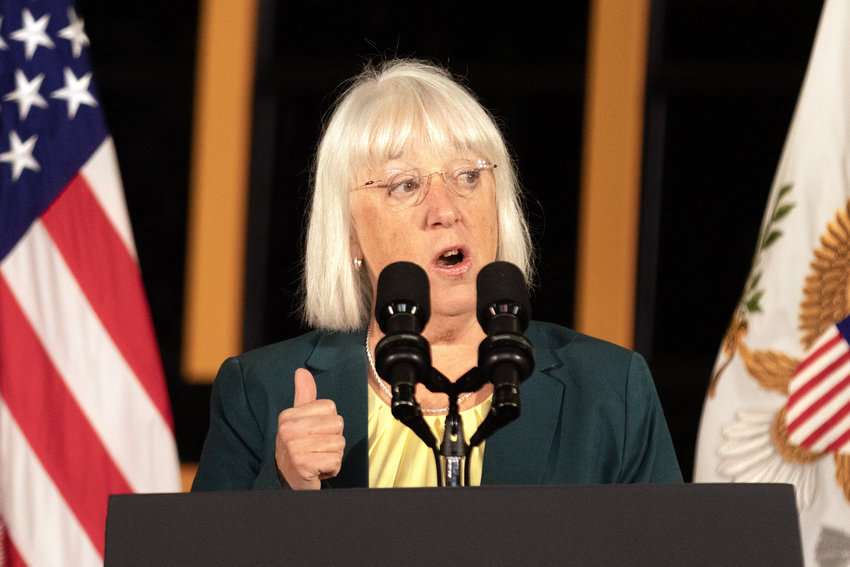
452, 232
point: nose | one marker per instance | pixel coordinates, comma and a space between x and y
440, 202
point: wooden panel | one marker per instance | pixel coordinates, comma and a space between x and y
610, 193
218, 196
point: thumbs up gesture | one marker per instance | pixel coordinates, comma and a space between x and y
309, 440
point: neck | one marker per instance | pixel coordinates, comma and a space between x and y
453, 330
454, 343
454, 351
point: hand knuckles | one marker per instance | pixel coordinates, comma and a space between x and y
287, 430
303, 464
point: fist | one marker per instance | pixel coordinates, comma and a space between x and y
309, 440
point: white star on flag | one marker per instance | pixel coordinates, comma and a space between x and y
33, 33
74, 33
26, 93
2, 43
75, 92
20, 155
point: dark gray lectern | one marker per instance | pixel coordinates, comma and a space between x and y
623, 525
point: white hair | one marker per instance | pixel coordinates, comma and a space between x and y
397, 106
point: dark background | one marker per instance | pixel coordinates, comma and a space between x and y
723, 78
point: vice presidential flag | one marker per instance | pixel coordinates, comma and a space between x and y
778, 407
84, 411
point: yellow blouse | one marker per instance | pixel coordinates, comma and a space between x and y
398, 458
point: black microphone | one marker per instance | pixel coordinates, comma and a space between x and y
505, 357
403, 298
403, 356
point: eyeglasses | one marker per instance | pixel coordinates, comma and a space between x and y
407, 187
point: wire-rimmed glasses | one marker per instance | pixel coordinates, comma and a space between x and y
408, 187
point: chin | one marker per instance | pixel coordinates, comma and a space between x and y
452, 303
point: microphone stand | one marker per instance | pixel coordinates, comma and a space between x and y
453, 468
505, 358
454, 450
451, 456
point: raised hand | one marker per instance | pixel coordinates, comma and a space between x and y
309, 442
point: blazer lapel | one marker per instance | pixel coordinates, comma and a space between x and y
519, 452
339, 365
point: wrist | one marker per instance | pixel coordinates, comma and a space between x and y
282, 480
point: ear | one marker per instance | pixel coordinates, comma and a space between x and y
354, 246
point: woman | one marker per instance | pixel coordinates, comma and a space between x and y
411, 167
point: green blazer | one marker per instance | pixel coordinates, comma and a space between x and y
590, 414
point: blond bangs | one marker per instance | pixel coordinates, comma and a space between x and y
397, 115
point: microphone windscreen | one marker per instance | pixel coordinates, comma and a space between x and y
403, 283
502, 283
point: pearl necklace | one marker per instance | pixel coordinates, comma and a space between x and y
386, 388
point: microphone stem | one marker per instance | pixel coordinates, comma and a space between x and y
454, 450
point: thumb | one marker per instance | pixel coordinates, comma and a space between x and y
305, 387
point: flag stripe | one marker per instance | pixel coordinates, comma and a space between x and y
36, 403
43, 286
104, 179
826, 426
99, 261
8, 551
811, 405
820, 401
39, 524
834, 339
829, 437
13, 558
841, 441
810, 383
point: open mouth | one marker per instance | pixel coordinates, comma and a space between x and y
450, 258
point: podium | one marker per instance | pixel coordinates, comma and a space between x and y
585, 525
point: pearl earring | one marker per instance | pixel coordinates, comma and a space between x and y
358, 263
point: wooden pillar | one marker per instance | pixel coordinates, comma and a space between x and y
609, 202
218, 195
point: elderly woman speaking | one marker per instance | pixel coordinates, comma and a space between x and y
412, 168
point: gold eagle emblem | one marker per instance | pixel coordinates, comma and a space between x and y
825, 302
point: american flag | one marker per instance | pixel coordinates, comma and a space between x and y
818, 407
84, 411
